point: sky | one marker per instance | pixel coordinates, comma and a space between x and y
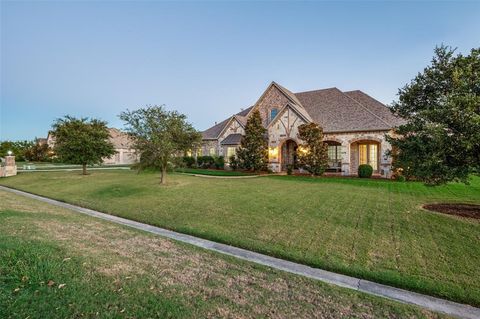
208, 60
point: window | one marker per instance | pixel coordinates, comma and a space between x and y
212, 151
231, 151
273, 113
368, 154
334, 152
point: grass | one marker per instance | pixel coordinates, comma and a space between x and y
52, 165
373, 229
59, 264
212, 172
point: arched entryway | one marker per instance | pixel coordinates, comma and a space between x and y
289, 154
365, 152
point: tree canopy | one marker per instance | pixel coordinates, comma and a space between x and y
18, 149
441, 140
312, 154
82, 141
159, 136
253, 150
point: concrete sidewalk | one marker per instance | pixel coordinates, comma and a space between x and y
401, 295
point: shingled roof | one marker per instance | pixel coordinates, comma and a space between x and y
333, 110
213, 132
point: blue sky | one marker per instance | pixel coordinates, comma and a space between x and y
209, 59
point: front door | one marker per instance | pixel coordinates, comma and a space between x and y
289, 154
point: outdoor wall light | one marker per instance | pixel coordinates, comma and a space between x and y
9, 153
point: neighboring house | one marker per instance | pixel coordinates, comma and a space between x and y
124, 153
353, 122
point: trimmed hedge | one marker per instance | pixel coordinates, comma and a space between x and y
365, 171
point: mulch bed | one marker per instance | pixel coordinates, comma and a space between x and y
462, 210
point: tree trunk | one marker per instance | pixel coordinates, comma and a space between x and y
163, 176
84, 169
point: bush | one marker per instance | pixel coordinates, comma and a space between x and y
289, 169
401, 178
219, 162
365, 171
189, 161
234, 162
205, 161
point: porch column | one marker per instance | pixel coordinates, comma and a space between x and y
385, 160
345, 158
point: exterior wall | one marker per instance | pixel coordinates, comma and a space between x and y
234, 127
349, 142
272, 99
123, 156
285, 127
207, 144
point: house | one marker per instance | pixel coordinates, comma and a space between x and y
122, 143
354, 125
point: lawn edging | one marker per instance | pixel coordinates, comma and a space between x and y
404, 296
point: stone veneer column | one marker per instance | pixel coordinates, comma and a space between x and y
345, 158
10, 168
385, 160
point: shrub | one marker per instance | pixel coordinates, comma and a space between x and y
219, 162
205, 161
189, 161
401, 178
289, 169
234, 162
365, 171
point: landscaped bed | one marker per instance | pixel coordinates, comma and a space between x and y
462, 210
374, 229
55, 263
213, 172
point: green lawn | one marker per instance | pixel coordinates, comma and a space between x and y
212, 172
59, 264
375, 229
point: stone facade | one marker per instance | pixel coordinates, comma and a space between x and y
289, 114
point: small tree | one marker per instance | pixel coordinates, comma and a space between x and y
253, 151
159, 136
313, 154
440, 141
82, 141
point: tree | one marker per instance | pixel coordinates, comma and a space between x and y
37, 152
18, 149
312, 155
253, 150
159, 136
440, 140
82, 141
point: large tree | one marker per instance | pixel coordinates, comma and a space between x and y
312, 154
82, 141
440, 141
253, 150
159, 136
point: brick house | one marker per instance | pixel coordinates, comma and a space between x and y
122, 143
354, 125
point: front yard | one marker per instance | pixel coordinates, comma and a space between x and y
374, 229
59, 264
